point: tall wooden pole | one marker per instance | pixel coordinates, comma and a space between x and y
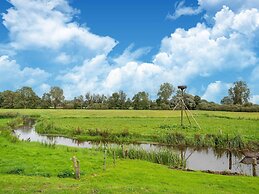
182, 109
76, 165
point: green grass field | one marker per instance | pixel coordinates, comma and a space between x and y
27, 167
148, 125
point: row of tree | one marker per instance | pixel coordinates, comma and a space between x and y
27, 98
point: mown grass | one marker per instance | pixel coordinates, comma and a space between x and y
132, 177
27, 167
152, 126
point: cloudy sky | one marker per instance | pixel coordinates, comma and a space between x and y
103, 46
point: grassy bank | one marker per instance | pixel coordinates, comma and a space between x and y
27, 167
132, 177
218, 129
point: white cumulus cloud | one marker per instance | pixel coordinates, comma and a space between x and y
182, 10
49, 24
129, 55
14, 76
216, 90
86, 77
64, 58
255, 99
202, 50
211, 7
225, 45
135, 77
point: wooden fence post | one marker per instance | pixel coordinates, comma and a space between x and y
76, 165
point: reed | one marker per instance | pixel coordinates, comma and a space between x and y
49, 144
162, 156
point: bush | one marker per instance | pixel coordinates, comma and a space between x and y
66, 174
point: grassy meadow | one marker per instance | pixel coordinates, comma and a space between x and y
217, 128
28, 167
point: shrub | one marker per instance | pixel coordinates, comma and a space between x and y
66, 174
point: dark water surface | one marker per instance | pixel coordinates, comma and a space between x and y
205, 159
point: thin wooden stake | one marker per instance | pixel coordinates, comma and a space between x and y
78, 169
76, 165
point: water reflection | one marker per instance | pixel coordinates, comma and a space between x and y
204, 159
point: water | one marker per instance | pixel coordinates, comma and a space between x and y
205, 159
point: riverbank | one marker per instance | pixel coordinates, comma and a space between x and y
205, 159
31, 167
221, 130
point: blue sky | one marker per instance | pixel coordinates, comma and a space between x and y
103, 46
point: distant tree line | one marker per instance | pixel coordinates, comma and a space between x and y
167, 98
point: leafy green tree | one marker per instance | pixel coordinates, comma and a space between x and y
189, 101
8, 98
78, 102
57, 96
68, 104
95, 101
141, 101
122, 99
239, 93
128, 103
46, 100
226, 100
99, 99
1, 100
88, 99
117, 100
114, 101
26, 98
165, 92
197, 100
154, 105
81, 101
75, 103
